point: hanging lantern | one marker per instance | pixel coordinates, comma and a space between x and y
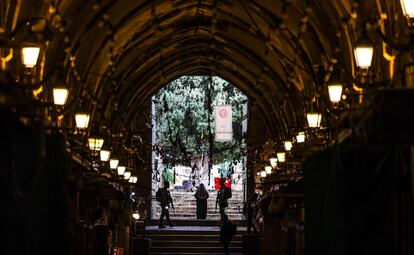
364, 51
273, 162
314, 119
288, 145
121, 170
105, 154
127, 174
281, 156
113, 163
335, 92
263, 174
268, 169
82, 120
95, 143
407, 7
300, 137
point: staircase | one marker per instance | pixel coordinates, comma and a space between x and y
194, 240
185, 206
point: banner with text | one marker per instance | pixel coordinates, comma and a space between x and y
224, 128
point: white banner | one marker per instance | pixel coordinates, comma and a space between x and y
224, 128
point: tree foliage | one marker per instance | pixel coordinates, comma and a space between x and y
185, 120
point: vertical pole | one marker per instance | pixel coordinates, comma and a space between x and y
210, 136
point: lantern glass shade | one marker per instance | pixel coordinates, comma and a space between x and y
113, 163
60, 95
408, 8
281, 156
263, 173
268, 169
104, 154
314, 119
273, 162
133, 179
127, 174
335, 92
288, 145
121, 170
30, 56
82, 120
95, 143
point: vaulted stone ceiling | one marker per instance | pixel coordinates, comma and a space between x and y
279, 53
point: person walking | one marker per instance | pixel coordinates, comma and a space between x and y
163, 196
223, 194
201, 195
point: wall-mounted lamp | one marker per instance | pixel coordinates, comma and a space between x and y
60, 95
113, 163
60, 88
335, 92
300, 137
263, 174
104, 155
135, 216
127, 174
133, 179
268, 169
95, 143
30, 54
121, 170
364, 50
281, 156
407, 7
288, 145
273, 162
314, 119
82, 120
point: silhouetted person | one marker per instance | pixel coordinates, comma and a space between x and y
227, 231
223, 194
201, 195
164, 197
250, 211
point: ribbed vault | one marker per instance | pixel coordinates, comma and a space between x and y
276, 52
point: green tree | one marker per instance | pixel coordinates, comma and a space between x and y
185, 120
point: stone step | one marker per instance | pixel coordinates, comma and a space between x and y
189, 238
196, 223
172, 214
194, 240
178, 213
168, 253
181, 250
211, 209
168, 243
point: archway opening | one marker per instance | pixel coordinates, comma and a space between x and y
199, 126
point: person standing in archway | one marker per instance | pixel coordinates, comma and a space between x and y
201, 195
